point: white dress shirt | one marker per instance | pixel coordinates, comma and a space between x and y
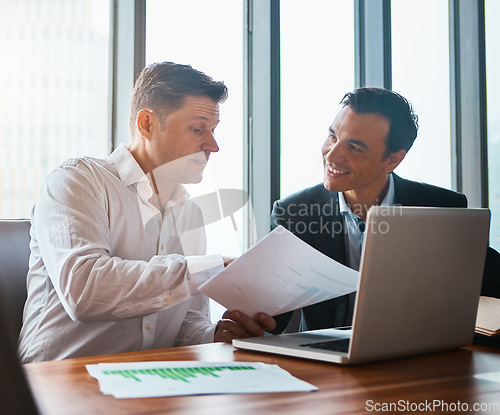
109, 272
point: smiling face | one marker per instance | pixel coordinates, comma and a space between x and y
354, 155
179, 144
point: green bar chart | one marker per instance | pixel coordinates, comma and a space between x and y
183, 374
155, 379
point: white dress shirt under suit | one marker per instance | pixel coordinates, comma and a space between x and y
109, 272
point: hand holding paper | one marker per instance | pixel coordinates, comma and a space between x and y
237, 325
279, 274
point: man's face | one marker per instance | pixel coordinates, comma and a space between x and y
353, 154
184, 139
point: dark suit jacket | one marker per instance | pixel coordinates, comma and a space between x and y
314, 216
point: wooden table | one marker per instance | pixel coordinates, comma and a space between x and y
64, 387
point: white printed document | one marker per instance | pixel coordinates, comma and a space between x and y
278, 274
153, 379
488, 316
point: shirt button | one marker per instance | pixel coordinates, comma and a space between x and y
168, 300
148, 326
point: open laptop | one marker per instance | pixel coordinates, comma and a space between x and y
418, 291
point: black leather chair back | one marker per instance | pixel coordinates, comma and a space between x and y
14, 259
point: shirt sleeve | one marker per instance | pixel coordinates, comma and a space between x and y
72, 229
201, 268
196, 327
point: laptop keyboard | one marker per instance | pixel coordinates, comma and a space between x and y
340, 345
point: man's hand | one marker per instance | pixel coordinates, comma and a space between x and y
237, 325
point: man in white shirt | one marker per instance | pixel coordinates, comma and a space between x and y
117, 248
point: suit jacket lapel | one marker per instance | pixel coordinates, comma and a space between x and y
330, 237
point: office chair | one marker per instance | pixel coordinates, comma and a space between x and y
15, 393
14, 258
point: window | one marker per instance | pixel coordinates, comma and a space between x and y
492, 11
420, 72
54, 84
209, 37
317, 69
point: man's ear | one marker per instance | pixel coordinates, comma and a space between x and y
145, 123
394, 159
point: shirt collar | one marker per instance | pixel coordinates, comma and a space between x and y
131, 173
342, 204
389, 196
128, 169
388, 199
179, 195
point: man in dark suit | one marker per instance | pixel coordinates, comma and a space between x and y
367, 140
